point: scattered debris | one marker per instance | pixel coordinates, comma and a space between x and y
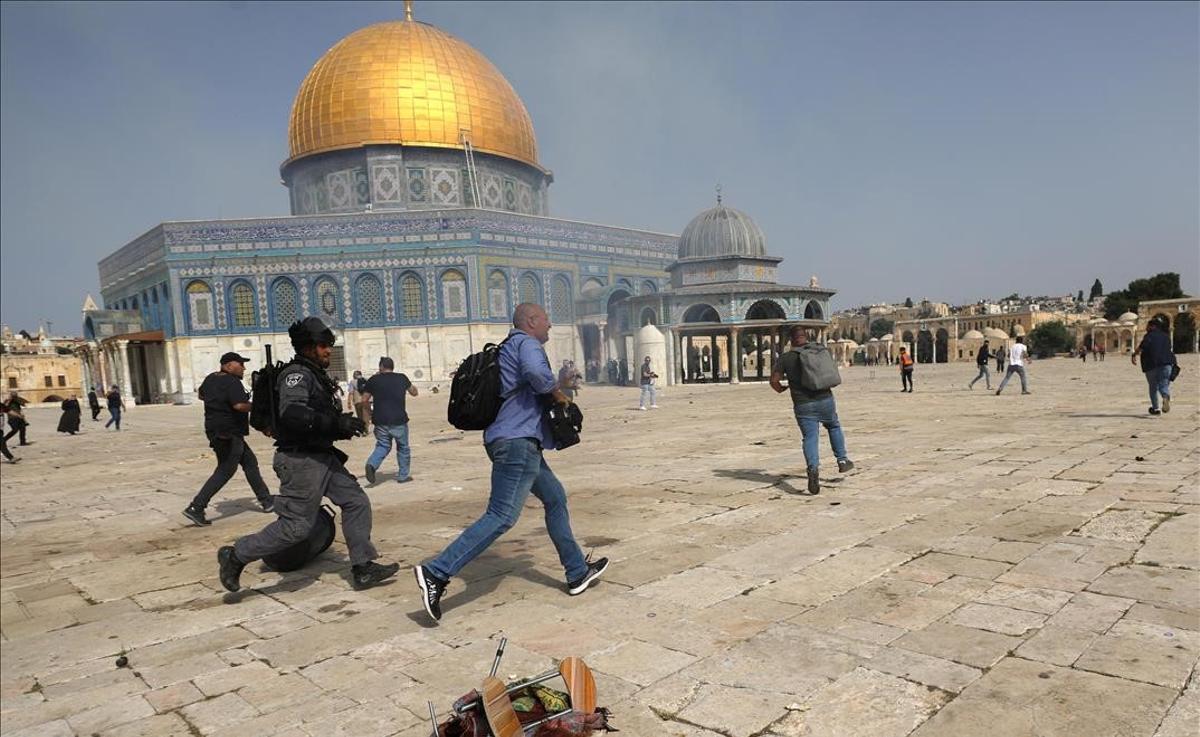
122, 662
1139, 458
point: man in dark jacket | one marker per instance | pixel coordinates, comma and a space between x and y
308, 420
981, 360
94, 404
1157, 361
226, 423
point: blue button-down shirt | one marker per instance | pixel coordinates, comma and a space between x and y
525, 374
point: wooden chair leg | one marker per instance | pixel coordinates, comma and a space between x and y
581, 686
498, 709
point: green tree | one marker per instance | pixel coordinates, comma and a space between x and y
1159, 286
1097, 290
908, 302
1049, 338
882, 327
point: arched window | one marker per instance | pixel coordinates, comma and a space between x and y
649, 287
327, 298
199, 299
284, 303
812, 311
648, 317
765, 309
370, 299
454, 294
701, 313
241, 300
560, 300
412, 299
591, 287
497, 294
529, 289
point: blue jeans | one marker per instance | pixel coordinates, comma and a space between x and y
1159, 380
517, 468
385, 435
115, 418
810, 416
983, 374
1020, 371
648, 391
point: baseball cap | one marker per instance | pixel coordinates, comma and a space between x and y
231, 356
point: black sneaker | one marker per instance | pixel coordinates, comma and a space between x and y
269, 505
370, 473
196, 515
432, 589
404, 480
846, 465
594, 570
814, 480
370, 573
230, 568
1155, 411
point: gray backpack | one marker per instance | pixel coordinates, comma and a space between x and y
818, 370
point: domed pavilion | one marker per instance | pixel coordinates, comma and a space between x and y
725, 312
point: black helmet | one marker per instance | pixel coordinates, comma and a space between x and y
310, 331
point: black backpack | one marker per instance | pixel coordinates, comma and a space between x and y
475, 392
302, 553
264, 389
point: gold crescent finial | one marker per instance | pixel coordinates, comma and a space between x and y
408, 9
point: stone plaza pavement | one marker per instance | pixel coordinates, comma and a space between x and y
1013, 565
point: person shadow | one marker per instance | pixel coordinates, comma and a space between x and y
781, 481
232, 507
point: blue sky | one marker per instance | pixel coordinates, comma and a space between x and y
946, 150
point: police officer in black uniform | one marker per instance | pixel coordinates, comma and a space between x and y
308, 421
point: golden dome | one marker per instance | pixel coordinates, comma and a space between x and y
405, 82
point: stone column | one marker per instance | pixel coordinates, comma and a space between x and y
670, 356
735, 355
126, 376
174, 386
102, 366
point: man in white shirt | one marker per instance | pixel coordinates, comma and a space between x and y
1018, 355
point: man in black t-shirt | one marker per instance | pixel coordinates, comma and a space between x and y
226, 423
385, 393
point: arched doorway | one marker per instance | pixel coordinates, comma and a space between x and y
765, 309
618, 369
1185, 333
942, 346
703, 350
924, 347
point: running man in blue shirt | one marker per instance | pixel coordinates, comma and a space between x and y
514, 443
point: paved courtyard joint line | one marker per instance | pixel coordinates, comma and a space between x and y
1012, 565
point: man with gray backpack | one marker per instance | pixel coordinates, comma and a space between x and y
811, 375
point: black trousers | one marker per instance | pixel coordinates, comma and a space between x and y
19, 427
4, 449
231, 453
95, 411
906, 379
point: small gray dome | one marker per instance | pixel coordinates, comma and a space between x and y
722, 231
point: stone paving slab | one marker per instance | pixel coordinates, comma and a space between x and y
995, 565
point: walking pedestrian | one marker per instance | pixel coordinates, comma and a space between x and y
515, 443
94, 404
1103, 350
69, 422
999, 358
226, 424
17, 423
981, 362
812, 407
906, 370
308, 421
1018, 355
386, 392
1158, 362
648, 377
115, 405
4, 451
354, 396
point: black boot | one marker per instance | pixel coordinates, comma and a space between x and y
814, 480
370, 573
230, 568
